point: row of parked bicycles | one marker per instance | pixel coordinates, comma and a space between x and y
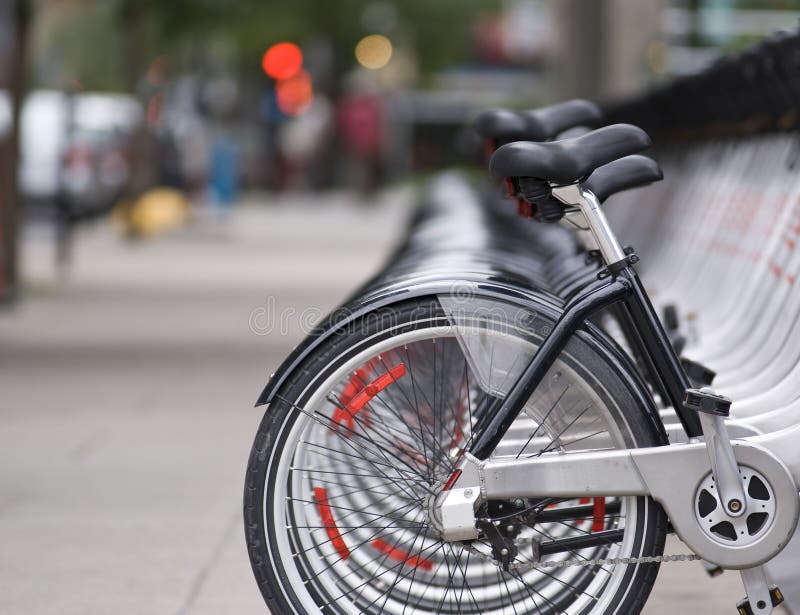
501, 422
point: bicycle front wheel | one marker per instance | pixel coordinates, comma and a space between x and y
349, 456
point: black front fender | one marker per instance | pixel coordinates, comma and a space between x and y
377, 298
476, 286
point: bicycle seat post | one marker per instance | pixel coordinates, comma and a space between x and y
589, 205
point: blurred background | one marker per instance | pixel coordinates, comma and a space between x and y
186, 186
210, 100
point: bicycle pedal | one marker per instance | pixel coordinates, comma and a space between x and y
708, 402
776, 596
714, 571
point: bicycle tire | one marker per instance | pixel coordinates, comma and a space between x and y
280, 573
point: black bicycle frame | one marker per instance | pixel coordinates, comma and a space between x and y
624, 288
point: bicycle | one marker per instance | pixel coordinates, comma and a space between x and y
392, 469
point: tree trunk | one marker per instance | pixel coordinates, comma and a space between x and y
20, 14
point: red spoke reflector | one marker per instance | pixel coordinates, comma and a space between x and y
599, 515
360, 399
325, 513
452, 480
399, 555
376, 386
352, 387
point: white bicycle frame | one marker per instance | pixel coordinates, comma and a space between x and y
672, 474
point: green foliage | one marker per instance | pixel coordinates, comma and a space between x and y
92, 40
767, 5
79, 45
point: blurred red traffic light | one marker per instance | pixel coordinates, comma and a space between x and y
282, 60
295, 94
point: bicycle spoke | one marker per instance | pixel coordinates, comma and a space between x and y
379, 469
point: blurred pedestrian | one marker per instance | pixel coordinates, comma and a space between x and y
302, 140
361, 120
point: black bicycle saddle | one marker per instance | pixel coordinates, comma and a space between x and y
568, 160
504, 125
623, 174
555, 119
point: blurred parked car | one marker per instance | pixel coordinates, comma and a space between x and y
94, 171
74, 149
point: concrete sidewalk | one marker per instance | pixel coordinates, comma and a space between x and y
126, 406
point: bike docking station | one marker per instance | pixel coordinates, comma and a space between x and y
501, 420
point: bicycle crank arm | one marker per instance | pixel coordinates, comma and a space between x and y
713, 409
673, 475
761, 597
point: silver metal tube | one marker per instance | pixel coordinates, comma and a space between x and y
595, 219
598, 223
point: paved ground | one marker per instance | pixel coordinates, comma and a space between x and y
126, 415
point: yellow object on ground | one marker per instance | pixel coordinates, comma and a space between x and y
157, 211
